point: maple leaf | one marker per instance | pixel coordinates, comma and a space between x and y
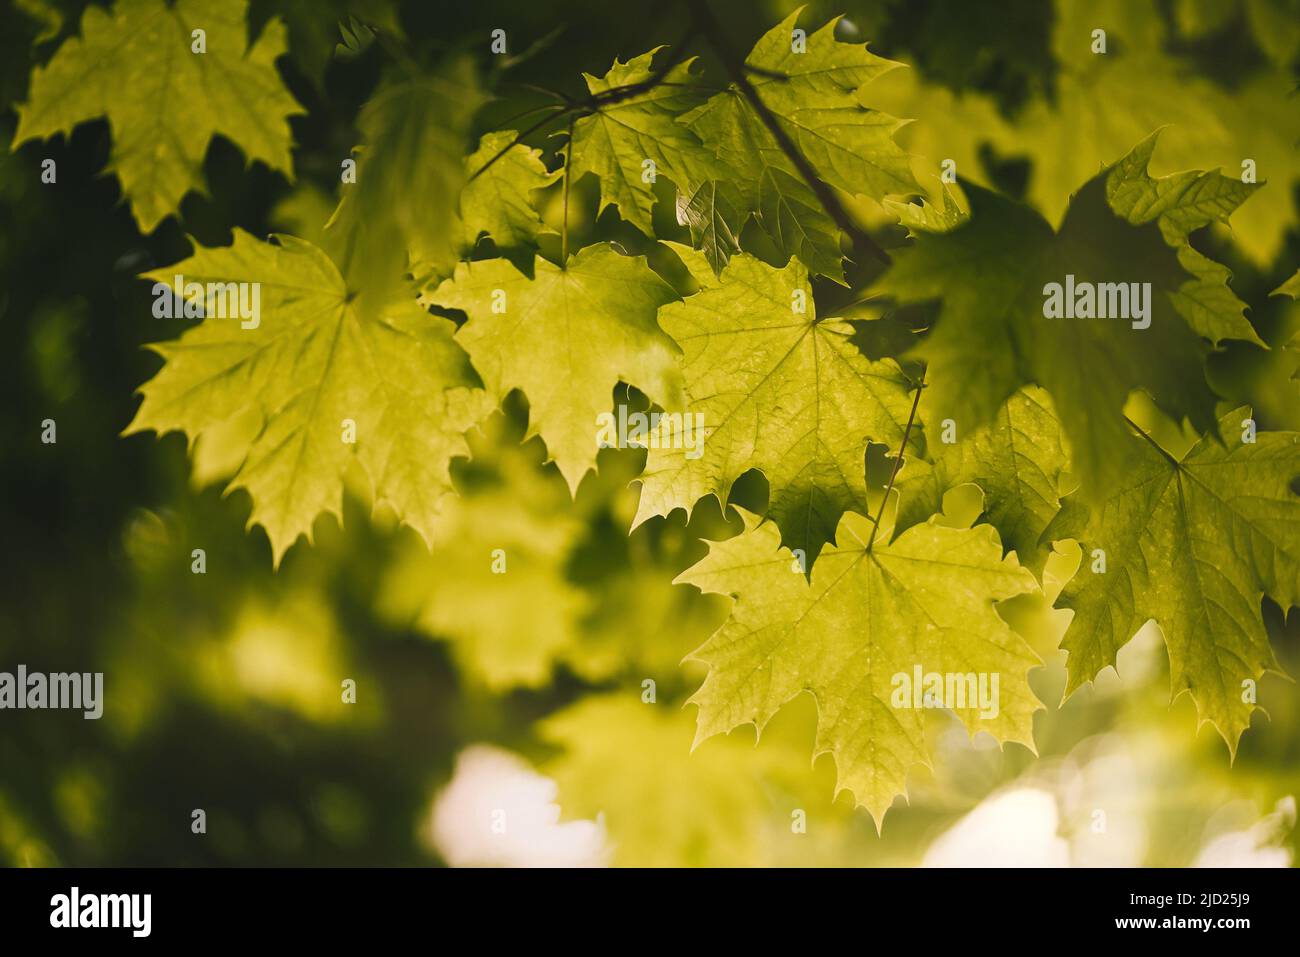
873, 610
310, 363
565, 338
992, 273
499, 201
815, 96
1191, 543
1016, 460
616, 140
164, 102
1118, 97
779, 390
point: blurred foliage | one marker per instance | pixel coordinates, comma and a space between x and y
223, 689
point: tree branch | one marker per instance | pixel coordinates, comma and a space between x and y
713, 33
563, 110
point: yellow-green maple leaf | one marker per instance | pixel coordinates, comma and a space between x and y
616, 140
780, 390
1193, 543
815, 97
163, 101
565, 338
815, 94
873, 610
310, 363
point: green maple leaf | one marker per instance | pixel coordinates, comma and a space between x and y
499, 202
1016, 460
1123, 226
164, 102
1193, 543
816, 97
616, 140
779, 390
311, 362
565, 338
874, 609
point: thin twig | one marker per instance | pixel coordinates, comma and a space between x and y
511, 120
764, 72
539, 90
713, 33
898, 461
517, 140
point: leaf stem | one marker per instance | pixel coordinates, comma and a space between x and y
898, 461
